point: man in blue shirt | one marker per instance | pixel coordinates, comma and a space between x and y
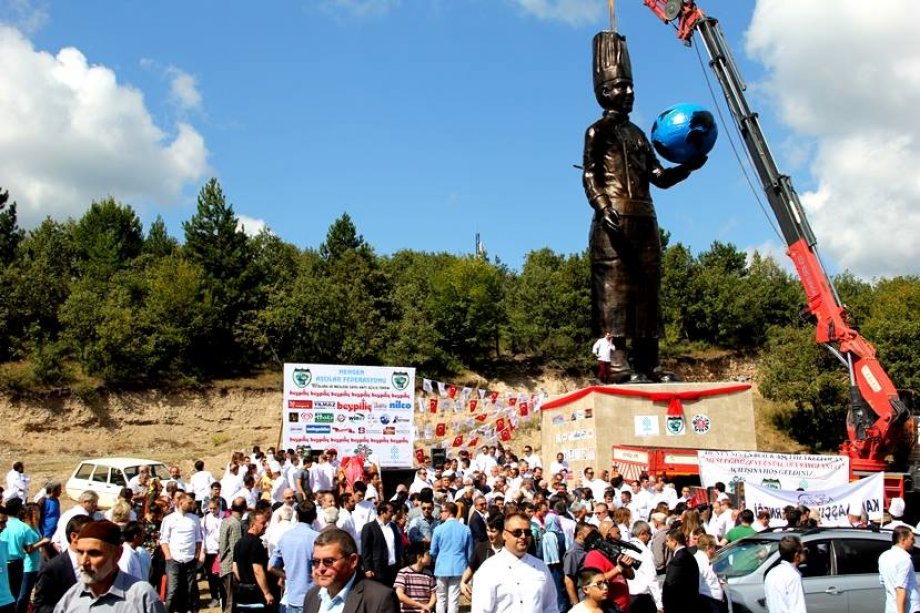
452, 549
291, 558
51, 508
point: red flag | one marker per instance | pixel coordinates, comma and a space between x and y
512, 401
452, 391
500, 424
505, 435
523, 411
493, 397
419, 455
440, 429
473, 404
473, 442
432, 405
482, 417
458, 440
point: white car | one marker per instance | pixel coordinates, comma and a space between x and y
107, 477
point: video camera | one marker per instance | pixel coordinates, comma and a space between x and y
613, 548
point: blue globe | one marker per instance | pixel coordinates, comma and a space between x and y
683, 132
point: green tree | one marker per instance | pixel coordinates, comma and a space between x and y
341, 238
722, 300
106, 239
11, 234
36, 284
466, 307
158, 243
273, 329
893, 326
413, 338
679, 270
224, 253
549, 307
796, 370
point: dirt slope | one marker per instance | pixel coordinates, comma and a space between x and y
52, 433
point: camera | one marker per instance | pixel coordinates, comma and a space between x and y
613, 548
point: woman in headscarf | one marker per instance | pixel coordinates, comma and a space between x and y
553, 550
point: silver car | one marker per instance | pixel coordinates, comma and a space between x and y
840, 573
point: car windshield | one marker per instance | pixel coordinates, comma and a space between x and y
157, 471
743, 558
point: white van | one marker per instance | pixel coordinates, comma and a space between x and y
107, 477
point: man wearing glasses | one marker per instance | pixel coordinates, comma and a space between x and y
338, 584
512, 579
422, 527
597, 486
600, 514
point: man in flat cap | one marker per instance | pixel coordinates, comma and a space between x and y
102, 587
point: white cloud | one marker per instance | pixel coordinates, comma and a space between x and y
183, 89
573, 12
26, 15
250, 225
847, 81
773, 250
73, 134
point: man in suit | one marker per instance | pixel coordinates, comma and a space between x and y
452, 548
477, 520
681, 590
381, 546
339, 582
56, 577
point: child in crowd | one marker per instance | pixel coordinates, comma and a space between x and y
415, 585
593, 584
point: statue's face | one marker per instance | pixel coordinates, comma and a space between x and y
617, 96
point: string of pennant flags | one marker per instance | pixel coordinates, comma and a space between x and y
485, 415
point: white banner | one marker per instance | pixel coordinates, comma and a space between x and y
833, 505
779, 471
352, 409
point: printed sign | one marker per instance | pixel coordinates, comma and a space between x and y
349, 396
782, 471
647, 425
833, 505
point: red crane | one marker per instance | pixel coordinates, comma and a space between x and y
880, 428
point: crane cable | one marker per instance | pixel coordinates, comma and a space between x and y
728, 134
613, 15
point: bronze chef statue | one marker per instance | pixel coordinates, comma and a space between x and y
624, 244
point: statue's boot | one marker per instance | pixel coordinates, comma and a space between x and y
645, 358
648, 369
620, 370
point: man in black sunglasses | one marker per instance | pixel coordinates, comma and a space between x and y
338, 581
512, 579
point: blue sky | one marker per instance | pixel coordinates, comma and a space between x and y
431, 120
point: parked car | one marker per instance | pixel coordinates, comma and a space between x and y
107, 477
840, 572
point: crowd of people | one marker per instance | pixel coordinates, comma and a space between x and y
282, 530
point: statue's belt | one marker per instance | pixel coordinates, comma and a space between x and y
628, 206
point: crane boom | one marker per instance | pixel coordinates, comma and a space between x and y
878, 421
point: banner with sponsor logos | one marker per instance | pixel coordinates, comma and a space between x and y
833, 504
779, 471
352, 409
